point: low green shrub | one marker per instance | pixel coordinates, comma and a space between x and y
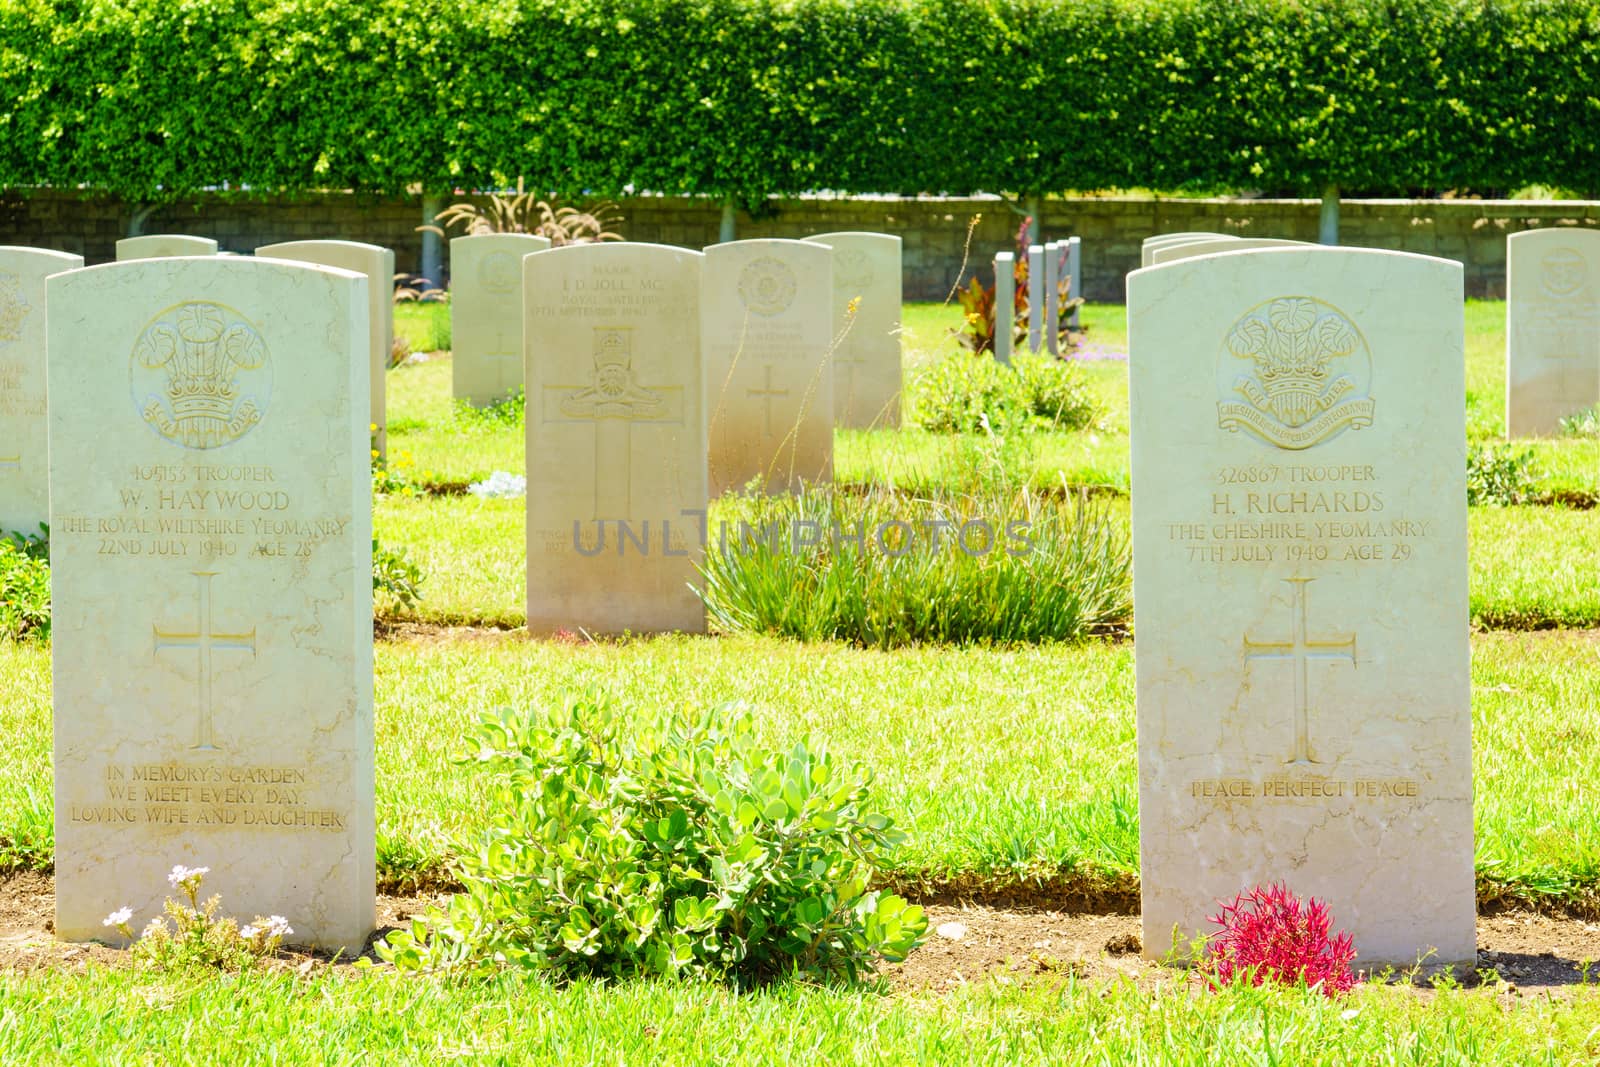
24, 590
507, 411
1499, 475
967, 394
883, 569
396, 579
678, 847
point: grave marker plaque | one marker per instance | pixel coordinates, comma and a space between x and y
486, 314
1300, 592
24, 466
212, 580
866, 329
765, 327
1552, 328
616, 438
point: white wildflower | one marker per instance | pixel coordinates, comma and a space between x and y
181, 874
278, 926
118, 917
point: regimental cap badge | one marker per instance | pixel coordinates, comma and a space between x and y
767, 286
14, 306
1310, 373
201, 375
613, 347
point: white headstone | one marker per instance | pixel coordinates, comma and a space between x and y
164, 246
211, 533
1175, 250
1052, 298
766, 312
1300, 593
1147, 249
1552, 328
1075, 278
616, 438
1035, 297
486, 314
378, 265
24, 463
866, 328
1005, 302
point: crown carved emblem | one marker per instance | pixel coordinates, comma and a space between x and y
201, 375
1307, 382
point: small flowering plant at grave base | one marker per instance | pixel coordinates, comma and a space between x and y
1268, 935
197, 938
676, 848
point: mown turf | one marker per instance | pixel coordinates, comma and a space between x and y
118, 1016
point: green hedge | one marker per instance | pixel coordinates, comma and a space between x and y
152, 99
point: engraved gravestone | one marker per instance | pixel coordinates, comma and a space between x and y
212, 588
1552, 328
24, 467
1174, 250
1148, 248
378, 265
1300, 592
486, 314
765, 318
616, 438
164, 246
866, 328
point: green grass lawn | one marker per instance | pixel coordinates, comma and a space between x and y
1011, 768
110, 1016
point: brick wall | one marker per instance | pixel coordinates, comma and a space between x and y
935, 231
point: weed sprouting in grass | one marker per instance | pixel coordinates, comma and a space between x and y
1585, 423
508, 411
24, 592
884, 570
396, 580
966, 394
1499, 475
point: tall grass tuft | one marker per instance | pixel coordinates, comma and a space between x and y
882, 569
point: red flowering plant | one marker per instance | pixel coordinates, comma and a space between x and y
1268, 935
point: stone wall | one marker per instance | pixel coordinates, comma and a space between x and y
943, 244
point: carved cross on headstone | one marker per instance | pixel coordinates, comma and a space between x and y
767, 392
206, 640
1302, 649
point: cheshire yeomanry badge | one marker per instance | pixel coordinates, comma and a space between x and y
200, 375
1310, 372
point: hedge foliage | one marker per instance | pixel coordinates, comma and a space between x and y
151, 99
